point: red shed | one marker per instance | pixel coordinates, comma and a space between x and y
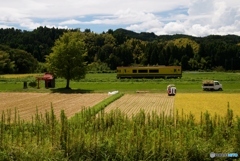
49, 80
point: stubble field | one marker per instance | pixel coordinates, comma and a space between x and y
26, 104
131, 104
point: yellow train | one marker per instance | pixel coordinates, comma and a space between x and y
149, 72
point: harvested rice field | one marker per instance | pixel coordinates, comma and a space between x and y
27, 103
132, 104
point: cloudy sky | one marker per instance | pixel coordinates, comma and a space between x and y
191, 17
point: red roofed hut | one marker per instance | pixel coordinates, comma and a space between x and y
49, 80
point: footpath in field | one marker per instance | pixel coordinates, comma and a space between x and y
131, 104
26, 103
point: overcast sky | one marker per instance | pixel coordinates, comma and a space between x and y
191, 17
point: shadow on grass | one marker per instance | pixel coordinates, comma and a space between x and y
64, 90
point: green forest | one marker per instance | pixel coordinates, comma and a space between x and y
25, 51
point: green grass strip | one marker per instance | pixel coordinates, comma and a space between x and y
88, 113
100, 106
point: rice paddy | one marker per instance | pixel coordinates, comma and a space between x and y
214, 103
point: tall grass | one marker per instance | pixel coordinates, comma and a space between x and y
95, 135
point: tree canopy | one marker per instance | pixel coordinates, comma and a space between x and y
122, 48
16, 61
67, 59
6, 65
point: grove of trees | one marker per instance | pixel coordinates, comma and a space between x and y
26, 51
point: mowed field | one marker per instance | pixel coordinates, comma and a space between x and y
132, 104
27, 103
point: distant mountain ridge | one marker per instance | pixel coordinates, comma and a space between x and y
146, 36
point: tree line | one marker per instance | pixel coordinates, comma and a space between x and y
26, 51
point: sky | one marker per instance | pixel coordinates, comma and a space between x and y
162, 17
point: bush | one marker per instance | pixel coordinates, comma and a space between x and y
219, 69
98, 67
41, 68
32, 84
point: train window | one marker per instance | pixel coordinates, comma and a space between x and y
175, 70
153, 71
125, 70
142, 71
134, 71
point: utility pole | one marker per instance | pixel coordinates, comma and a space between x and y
225, 67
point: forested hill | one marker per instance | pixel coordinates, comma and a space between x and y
151, 36
141, 36
121, 47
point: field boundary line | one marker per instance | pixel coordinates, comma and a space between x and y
94, 110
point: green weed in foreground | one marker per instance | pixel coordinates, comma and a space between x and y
114, 136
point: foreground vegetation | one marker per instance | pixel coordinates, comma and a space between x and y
95, 135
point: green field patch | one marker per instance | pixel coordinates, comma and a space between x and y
105, 82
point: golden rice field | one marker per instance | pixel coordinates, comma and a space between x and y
211, 102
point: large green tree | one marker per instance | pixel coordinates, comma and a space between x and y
67, 57
6, 65
24, 61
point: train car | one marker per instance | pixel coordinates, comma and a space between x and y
149, 72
